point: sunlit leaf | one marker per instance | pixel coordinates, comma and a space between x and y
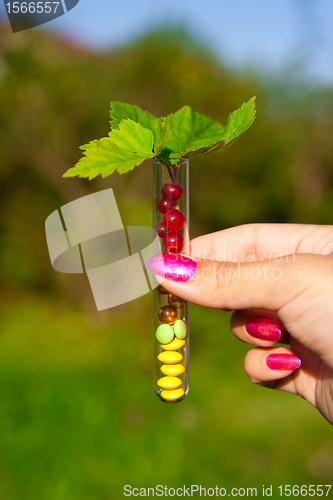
125, 148
191, 131
194, 133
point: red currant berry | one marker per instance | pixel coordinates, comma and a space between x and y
172, 191
174, 220
173, 242
164, 205
161, 229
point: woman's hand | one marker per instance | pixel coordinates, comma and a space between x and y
278, 279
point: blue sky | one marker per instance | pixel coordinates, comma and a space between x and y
266, 33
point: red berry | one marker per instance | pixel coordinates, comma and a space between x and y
172, 191
174, 220
161, 229
173, 242
164, 205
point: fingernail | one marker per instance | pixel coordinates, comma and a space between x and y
263, 328
173, 266
282, 361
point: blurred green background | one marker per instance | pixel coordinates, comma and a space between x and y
78, 415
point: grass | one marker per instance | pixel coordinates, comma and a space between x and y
79, 419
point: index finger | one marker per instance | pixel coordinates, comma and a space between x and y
299, 289
251, 242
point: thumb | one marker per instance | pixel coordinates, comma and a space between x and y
297, 286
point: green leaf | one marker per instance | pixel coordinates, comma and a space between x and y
194, 133
132, 136
123, 110
191, 131
240, 120
137, 135
87, 146
163, 135
125, 148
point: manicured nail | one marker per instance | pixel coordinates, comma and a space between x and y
173, 266
263, 328
282, 361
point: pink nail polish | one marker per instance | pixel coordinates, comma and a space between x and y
282, 361
263, 328
173, 266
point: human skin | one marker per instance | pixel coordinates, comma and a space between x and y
283, 272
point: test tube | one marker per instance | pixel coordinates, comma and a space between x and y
171, 313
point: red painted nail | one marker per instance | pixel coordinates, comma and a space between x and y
263, 328
173, 266
282, 361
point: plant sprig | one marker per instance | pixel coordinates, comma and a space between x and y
137, 135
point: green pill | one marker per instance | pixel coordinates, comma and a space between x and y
180, 329
165, 334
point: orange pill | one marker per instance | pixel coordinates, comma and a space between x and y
162, 290
175, 301
167, 314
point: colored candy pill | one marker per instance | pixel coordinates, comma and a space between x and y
167, 314
169, 382
165, 334
176, 301
180, 329
172, 370
174, 345
162, 290
172, 395
170, 357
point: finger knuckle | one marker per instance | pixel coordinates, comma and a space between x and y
215, 280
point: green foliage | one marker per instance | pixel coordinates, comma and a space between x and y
194, 133
122, 110
127, 146
137, 135
239, 121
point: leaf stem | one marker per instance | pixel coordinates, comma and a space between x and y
176, 167
162, 160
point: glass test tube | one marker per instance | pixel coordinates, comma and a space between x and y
171, 314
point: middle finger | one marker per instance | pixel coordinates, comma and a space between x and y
258, 327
